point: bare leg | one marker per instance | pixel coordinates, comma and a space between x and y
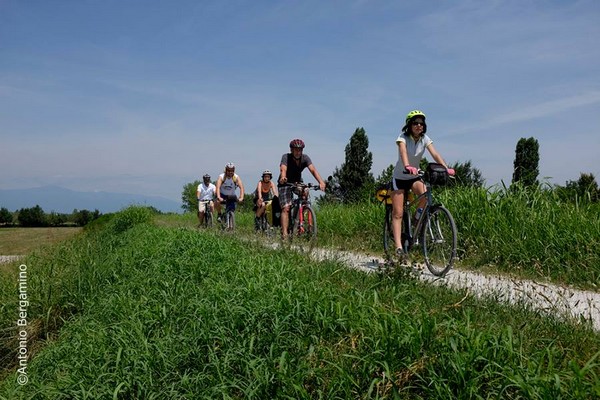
285, 220
398, 210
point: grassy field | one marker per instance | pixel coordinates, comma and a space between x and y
17, 241
144, 307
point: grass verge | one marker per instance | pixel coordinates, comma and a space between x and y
135, 310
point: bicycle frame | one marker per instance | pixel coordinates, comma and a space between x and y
302, 218
228, 220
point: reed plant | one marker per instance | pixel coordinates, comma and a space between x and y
150, 311
528, 233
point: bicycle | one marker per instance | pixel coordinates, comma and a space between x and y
435, 230
263, 221
208, 217
228, 218
303, 220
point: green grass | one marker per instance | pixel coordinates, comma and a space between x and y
134, 309
529, 234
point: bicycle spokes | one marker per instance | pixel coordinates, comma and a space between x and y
439, 238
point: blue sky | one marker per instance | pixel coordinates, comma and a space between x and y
146, 96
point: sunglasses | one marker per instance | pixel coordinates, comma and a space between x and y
415, 123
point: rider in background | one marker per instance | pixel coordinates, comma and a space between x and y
227, 183
411, 143
290, 170
205, 194
265, 190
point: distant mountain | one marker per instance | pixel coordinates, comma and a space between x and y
61, 200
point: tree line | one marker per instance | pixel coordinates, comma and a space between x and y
353, 182
36, 217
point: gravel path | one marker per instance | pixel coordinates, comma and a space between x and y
562, 301
6, 259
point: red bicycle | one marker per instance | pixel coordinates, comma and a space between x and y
303, 220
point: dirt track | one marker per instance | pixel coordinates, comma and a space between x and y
570, 303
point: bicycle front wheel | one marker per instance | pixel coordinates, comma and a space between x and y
439, 238
230, 220
305, 227
208, 220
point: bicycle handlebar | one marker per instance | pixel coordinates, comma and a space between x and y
300, 185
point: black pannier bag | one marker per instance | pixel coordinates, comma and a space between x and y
436, 174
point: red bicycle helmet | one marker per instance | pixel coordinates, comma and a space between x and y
297, 144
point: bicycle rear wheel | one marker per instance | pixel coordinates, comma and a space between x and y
438, 238
388, 233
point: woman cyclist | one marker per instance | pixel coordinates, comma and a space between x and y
411, 143
265, 190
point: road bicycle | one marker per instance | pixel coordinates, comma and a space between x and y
302, 226
228, 218
208, 215
434, 231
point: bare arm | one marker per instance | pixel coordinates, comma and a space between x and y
404, 154
315, 173
282, 173
241, 185
218, 190
436, 156
259, 191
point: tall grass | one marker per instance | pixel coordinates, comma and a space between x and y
156, 312
528, 233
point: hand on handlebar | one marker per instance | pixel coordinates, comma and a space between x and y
451, 171
411, 170
283, 180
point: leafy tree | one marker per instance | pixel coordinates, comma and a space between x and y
527, 158
188, 196
467, 175
333, 193
385, 177
34, 216
585, 187
6, 216
354, 176
84, 217
56, 219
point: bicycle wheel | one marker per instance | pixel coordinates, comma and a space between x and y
305, 232
230, 220
388, 233
438, 238
208, 219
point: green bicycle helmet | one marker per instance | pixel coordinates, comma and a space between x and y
410, 116
414, 113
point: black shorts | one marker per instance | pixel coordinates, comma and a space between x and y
403, 184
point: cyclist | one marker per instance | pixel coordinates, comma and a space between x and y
411, 143
290, 170
265, 191
227, 183
205, 194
